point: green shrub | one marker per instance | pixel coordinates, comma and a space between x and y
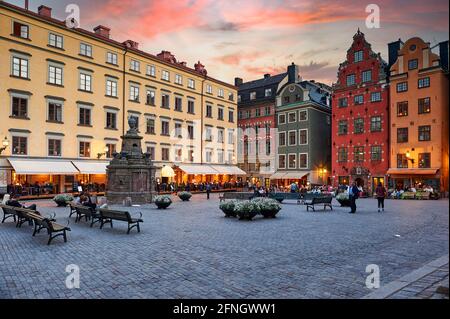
228, 208
185, 196
63, 198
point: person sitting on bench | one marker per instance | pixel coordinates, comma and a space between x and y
87, 201
14, 202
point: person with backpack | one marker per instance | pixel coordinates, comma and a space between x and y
353, 194
208, 190
381, 195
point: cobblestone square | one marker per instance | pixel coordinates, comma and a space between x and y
192, 251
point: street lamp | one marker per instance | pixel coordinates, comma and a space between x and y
105, 152
408, 156
5, 144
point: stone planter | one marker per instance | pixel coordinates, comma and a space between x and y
229, 212
61, 203
246, 215
185, 196
269, 213
344, 202
162, 205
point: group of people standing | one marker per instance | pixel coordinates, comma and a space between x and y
354, 193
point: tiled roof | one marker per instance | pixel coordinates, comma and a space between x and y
273, 80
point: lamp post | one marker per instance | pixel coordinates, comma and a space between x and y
5, 144
322, 172
105, 152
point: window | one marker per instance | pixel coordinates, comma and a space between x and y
178, 154
282, 161
402, 87
151, 96
358, 56
413, 64
287, 99
248, 114
86, 50
253, 96
303, 137
111, 58
178, 104
191, 84
350, 79
111, 149
21, 30
303, 115
151, 70
190, 131
165, 101
268, 93
231, 137
376, 153
424, 83
358, 153
282, 138
208, 134
20, 67
85, 82
135, 66
165, 154
342, 154
402, 135
54, 112
375, 97
220, 136
85, 149
165, 75
19, 145
178, 79
343, 127
190, 155
221, 93
424, 105
359, 125
111, 88
231, 116
209, 110
84, 116
367, 76
178, 130
55, 75
402, 108
220, 116
209, 89
424, 160
230, 96
150, 127
425, 133
267, 110
165, 128
54, 147
292, 117
19, 107
208, 156
55, 41
151, 151
220, 157
111, 120
292, 138
359, 99
191, 107
303, 160
402, 161
257, 112
375, 124
292, 160
134, 93
343, 102
282, 119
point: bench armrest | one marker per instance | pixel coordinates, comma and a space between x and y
140, 215
51, 216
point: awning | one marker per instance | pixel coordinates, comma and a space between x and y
43, 167
91, 168
198, 170
228, 170
167, 171
278, 175
412, 171
290, 175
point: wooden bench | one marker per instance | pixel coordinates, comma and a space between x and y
408, 195
53, 229
107, 216
236, 196
86, 212
280, 197
423, 195
8, 212
323, 200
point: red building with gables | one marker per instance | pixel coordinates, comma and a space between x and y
360, 130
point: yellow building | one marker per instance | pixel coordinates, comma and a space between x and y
419, 116
66, 94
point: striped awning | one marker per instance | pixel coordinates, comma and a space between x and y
91, 168
42, 167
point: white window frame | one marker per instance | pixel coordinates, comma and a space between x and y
295, 120
285, 136
268, 93
221, 93
58, 138
209, 89
165, 75
25, 135
295, 161
278, 160
112, 58
299, 160
84, 106
116, 112
289, 138
20, 96
307, 136
285, 118
54, 101
191, 83
87, 49
21, 59
84, 140
178, 79
133, 89
151, 70
56, 66
252, 96
56, 37
299, 117
113, 88
135, 65
87, 76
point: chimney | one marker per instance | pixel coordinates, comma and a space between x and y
200, 68
266, 76
238, 81
443, 54
393, 49
131, 44
45, 11
102, 31
293, 73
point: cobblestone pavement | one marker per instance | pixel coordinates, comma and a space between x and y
192, 251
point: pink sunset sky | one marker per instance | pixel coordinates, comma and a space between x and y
248, 38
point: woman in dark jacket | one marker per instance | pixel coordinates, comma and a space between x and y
381, 195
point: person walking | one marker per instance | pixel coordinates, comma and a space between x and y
381, 195
353, 194
208, 190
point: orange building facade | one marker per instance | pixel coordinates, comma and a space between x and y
419, 150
